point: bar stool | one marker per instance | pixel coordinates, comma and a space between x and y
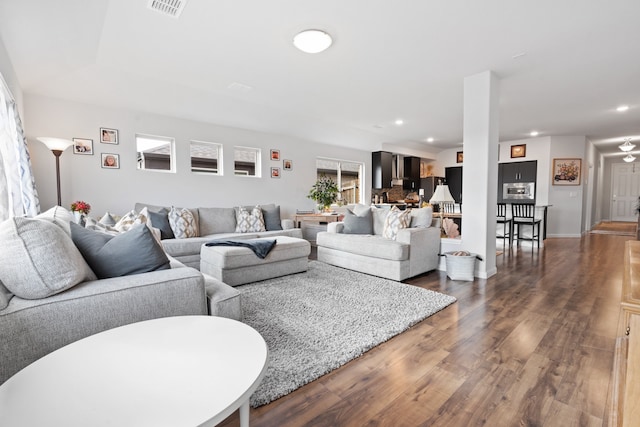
507, 225
525, 214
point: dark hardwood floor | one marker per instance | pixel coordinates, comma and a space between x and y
531, 346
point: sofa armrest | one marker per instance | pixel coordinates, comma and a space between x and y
287, 224
424, 247
335, 227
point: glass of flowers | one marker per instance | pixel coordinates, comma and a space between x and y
79, 209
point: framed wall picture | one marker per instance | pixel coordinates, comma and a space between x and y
566, 171
518, 151
459, 157
110, 161
287, 165
83, 146
275, 155
108, 136
275, 172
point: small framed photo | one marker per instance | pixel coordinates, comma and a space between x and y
110, 161
275, 172
275, 155
459, 157
287, 165
108, 136
83, 146
518, 151
566, 171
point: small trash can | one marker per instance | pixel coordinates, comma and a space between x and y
460, 265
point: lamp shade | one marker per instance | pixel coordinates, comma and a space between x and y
441, 195
55, 143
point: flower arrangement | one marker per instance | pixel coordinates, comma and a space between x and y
324, 192
80, 206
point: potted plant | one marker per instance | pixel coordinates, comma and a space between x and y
324, 192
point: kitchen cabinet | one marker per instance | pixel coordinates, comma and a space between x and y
381, 162
411, 178
516, 172
429, 184
453, 177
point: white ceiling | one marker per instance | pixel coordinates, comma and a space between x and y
390, 59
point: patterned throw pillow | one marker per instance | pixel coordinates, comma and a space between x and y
396, 219
132, 218
247, 222
183, 223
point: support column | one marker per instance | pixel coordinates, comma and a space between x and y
480, 169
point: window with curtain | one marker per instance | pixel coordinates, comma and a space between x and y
18, 195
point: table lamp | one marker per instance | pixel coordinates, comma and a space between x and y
57, 146
440, 196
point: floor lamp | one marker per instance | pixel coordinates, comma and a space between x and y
57, 146
440, 196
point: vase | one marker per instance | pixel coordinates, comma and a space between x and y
77, 217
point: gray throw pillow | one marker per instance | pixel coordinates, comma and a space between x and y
133, 252
271, 215
160, 220
38, 258
358, 224
421, 218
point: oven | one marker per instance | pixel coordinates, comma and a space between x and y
518, 191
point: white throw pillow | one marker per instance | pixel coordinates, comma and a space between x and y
60, 216
396, 220
249, 222
132, 218
183, 223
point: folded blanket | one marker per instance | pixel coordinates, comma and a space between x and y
260, 247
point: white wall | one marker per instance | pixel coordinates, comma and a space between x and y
117, 190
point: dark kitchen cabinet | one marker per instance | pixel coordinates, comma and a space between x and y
516, 172
429, 184
453, 177
411, 178
381, 162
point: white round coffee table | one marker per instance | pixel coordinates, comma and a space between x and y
175, 371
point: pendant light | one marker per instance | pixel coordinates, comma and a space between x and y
627, 146
629, 158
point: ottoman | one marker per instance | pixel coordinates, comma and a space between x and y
238, 265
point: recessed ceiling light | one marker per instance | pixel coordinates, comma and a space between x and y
518, 55
430, 139
312, 41
399, 122
534, 133
622, 108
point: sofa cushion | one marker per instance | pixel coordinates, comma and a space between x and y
395, 220
160, 220
182, 247
366, 245
217, 220
249, 222
38, 259
5, 296
183, 223
421, 218
133, 252
58, 215
358, 223
271, 215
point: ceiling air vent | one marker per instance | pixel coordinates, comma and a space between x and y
171, 8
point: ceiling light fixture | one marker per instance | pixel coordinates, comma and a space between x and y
312, 41
430, 139
629, 158
627, 146
399, 122
534, 133
622, 108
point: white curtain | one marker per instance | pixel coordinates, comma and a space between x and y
18, 195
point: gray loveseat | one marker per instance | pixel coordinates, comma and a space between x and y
219, 223
32, 326
413, 251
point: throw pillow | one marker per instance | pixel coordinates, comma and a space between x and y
248, 222
92, 224
160, 220
107, 219
38, 258
132, 218
58, 215
396, 220
421, 218
271, 215
379, 217
133, 252
358, 224
183, 223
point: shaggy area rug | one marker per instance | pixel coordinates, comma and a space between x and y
317, 321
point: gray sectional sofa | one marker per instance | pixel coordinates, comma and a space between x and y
219, 223
414, 250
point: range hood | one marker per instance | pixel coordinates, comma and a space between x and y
397, 169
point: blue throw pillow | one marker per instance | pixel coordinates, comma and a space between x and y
160, 220
133, 252
358, 224
271, 215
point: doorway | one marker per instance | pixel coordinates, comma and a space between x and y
625, 189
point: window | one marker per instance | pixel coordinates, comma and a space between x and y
348, 176
155, 153
206, 157
246, 161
